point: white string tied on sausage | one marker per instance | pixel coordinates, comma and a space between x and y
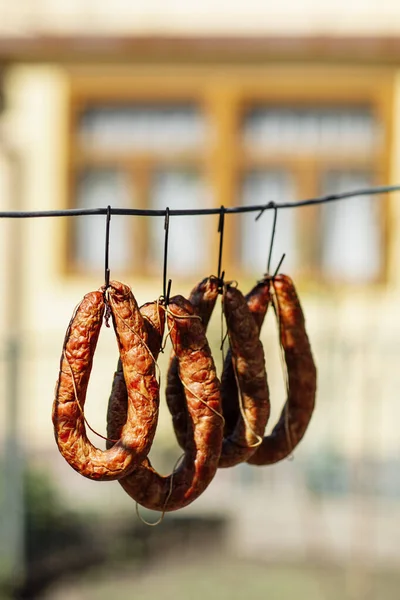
81, 407
116, 312
175, 316
164, 510
64, 354
140, 338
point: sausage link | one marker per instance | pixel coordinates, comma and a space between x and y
205, 424
154, 322
247, 357
137, 434
302, 377
203, 298
258, 300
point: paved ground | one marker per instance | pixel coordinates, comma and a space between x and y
214, 578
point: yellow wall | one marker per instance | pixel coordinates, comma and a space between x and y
35, 126
246, 17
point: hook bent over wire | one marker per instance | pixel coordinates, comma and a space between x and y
166, 288
107, 251
221, 224
272, 238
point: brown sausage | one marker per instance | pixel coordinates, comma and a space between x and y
203, 446
250, 366
154, 322
302, 376
136, 435
258, 300
203, 298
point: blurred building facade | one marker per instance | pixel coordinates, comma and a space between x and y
134, 105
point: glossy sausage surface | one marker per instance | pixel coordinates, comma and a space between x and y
137, 431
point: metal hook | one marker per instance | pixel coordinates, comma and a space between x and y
272, 238
264, 208
166, 288
107, 250
221, 224
279, 266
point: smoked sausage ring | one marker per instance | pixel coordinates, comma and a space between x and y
247, 364
154, 321
299, 364
205, 422
136, 435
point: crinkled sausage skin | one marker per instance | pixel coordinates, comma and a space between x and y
204, 439
258, 300
300, 366
248, 356
302, 377
302, 374
154, 321
136, 435
203, 298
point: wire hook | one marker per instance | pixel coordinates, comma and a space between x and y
272, 237
264, 208
271, 245
279, 266
107, 251
221, 224
166, 287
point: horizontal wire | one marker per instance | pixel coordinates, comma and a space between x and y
139, 212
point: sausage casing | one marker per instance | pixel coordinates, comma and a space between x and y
203, 298
248, 365
299, 364
137, 433
302, 377
247, 358
154, 322
258, 300
205, 423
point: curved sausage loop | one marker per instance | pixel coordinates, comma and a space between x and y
137, 433
258, 300
247, 368
301, 371
203, 298
154, 320
205, 423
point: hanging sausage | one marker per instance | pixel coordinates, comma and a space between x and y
137, 433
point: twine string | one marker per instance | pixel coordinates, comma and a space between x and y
164, 510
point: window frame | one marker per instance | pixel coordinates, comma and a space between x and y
224, 93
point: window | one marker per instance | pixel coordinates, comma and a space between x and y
142, 128
337, 148
259, 187
141, 156
158, 141
298, 130
351, 245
